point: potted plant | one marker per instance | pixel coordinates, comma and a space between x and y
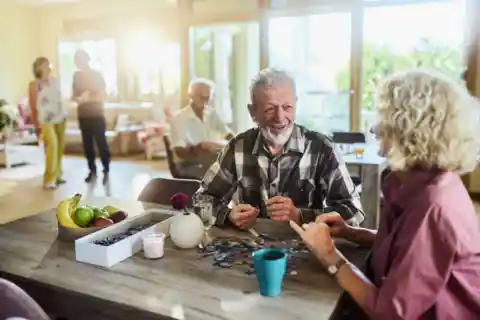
8, 115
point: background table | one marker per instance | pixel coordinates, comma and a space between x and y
371, 166
138, 288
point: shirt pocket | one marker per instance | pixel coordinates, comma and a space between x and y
249, 190
302, 192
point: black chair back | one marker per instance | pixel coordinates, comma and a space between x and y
160, 190
172, 166
348, 137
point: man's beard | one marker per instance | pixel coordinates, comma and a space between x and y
277, 140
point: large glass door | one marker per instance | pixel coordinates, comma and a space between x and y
316, 50
229, 55
396, 37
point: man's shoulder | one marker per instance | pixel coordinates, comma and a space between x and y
248, 135
317, 140
180, 114
97, 75
244, 140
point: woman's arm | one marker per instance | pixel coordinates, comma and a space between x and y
32, 102
419, 270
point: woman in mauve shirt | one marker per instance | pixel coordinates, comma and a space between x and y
425, 261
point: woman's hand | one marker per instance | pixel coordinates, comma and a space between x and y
37, 129
318, 239
338, 226
38, 132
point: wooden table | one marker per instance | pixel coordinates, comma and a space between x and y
138, 288
370, 166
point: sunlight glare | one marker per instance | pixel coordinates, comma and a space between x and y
142, 47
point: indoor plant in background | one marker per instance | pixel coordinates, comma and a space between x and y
8, 116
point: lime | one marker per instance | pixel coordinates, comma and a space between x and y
83, 216
100, 213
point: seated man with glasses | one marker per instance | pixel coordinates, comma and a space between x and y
197, 131
279, 170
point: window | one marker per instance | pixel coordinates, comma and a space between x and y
229, 55
152, 66
398, 37
316, 50
103, 57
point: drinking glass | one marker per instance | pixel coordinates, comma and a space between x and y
203, 207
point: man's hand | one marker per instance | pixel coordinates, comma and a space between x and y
282, 209
338, 226
210, 146
243, 216
38, 132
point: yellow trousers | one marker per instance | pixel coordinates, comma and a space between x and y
53, 139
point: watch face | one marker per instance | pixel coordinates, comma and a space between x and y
332, 269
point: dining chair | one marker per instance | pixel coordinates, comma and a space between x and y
160, 190
172, 166
16, 303
348, 137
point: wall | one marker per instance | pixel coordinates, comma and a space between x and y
87, 19
19, 38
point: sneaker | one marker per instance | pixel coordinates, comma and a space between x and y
105, 178
50, 186
91, 177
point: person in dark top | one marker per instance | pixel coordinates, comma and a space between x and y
89, 93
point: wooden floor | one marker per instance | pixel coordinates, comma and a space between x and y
21, 192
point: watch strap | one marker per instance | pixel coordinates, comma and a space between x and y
334, 269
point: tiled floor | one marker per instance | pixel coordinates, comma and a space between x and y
21, 192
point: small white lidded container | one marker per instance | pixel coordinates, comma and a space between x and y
153, 246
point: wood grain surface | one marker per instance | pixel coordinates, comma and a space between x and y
179, 285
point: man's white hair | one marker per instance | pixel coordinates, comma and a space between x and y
269, 78
200, 81
430, 120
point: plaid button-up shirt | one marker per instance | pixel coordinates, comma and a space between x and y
308, 171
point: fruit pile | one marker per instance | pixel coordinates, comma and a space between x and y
70, 215
108, 241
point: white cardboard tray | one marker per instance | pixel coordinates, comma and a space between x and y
106, 256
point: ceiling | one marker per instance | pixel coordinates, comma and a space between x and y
47, 2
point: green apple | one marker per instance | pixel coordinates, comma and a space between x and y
83, 216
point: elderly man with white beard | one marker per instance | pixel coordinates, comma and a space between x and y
279, 170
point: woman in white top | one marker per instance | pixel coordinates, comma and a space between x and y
49, 118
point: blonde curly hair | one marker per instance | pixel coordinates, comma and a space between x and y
429, 120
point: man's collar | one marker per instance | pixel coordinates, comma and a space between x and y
205, 111
296, 142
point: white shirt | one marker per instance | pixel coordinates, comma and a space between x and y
188, 130
49, 102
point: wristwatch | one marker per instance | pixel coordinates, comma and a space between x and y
333, 269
